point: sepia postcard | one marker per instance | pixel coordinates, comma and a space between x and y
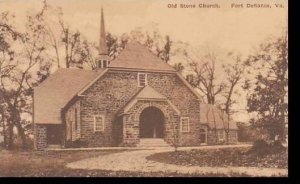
140, 88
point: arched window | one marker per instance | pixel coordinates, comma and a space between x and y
203, 136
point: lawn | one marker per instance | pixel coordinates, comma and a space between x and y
237, 157
52, 164
43, 163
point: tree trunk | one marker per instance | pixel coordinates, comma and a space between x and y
10, 142
21, 134
4, 130
4, 135
17, 122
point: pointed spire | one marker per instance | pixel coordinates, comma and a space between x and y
102, 42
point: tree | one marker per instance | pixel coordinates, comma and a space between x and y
18, 71
7, 36
204, 76
226, 123
154, 41
234, 74
267, 96
218, 85
179, 67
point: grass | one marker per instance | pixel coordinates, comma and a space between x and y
43, 163
224, 157
52, 164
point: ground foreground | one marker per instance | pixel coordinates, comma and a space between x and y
225, 157
136, 161
45, 163
128, 163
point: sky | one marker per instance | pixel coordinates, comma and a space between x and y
231, 29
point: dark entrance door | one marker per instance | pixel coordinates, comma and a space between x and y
151, 123
54, 134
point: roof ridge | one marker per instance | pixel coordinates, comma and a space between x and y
138, 56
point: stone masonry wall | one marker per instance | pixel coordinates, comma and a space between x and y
113, 90
131, 131
74, 134
212, 138
40, 138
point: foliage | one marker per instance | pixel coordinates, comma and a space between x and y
267, 95
223, 157
18, 74
179, 67
261, 147
204, 76
246, 133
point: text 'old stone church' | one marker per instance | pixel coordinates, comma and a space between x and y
132, 100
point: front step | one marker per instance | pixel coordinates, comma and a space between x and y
152, 142
53, 146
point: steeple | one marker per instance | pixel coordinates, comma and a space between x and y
103, 59
102, 41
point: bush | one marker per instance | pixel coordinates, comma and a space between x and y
19, 146
261, 147
277, 147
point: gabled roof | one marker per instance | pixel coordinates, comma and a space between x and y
57, 90
137, 56
214, 117
147, 93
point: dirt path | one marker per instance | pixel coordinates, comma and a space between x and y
136, 161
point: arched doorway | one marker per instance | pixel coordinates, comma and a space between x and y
151, 123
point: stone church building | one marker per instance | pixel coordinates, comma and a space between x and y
134, 100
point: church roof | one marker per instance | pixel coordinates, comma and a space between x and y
57, 90
214, 118
137, 56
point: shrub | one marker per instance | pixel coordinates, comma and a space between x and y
277, 147
261, 147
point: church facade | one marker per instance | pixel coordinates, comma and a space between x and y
133, 98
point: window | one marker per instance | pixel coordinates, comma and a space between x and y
202, 136
142, 79
75, 118
221, 135
185, 124
99, 123
104, 64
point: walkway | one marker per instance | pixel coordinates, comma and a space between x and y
136, 161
